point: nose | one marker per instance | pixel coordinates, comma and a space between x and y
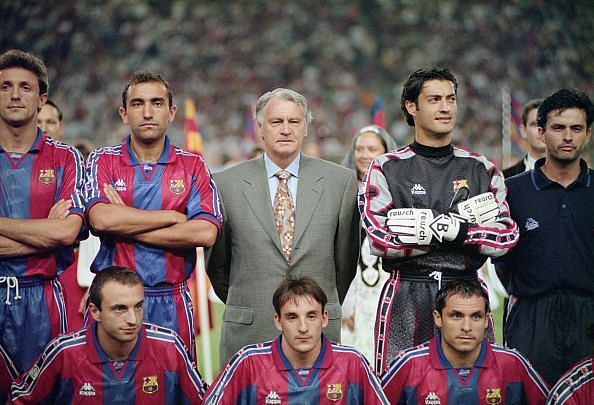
286, 127
15, 94
444, 105
43, 126
132, 317
302, 326
147, 110
466, 325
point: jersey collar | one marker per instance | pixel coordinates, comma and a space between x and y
98, 354
540, 181
440, 362
168, 155
37, 144
429, 151
281, 362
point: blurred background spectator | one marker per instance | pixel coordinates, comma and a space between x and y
340, 54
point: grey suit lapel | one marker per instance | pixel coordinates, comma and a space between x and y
309, 192
255, 190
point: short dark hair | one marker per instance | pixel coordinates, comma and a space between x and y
120, 275
562, 100
50, 102
25, 60
297, 287
465, 288
529, 106
143, 76
414, 84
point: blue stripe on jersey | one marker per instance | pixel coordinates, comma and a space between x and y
310, 394
248, 395
155, 332
119, 391
534, 376
354, 394
408, 396
147, 194
514, 393
65, 393
374, 381
16, 186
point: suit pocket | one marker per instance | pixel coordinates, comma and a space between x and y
243, 315
334, 310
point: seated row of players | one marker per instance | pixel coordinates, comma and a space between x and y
121, 359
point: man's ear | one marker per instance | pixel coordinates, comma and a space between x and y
277, 322
123, 114
95, 312
411, 107
437, 318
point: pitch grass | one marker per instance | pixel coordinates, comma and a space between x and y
216, 333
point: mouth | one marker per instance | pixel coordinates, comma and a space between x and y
129, 331
567, 148
444, 120
148, 125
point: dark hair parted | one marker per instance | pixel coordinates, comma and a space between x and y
297, 287
464, 288
120, 275
144, 76
414, 84
25, 60
529, 106
562, 100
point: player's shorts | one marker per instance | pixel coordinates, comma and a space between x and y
170, 306
405, 312
32, 312
550, 330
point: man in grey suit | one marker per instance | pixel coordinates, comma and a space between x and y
250, 259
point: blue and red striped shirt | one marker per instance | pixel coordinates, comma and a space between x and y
30, 184
74, 369
261, 373
178, 181
423, 375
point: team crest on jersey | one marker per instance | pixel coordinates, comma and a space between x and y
47, 176
334, 392
493, 396
432, 399
458, 184
150, 385
177, 186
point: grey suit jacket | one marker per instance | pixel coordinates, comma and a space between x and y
246, 265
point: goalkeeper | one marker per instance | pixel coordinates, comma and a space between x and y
434, 212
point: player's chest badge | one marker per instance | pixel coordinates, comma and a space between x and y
47, 176
334, 392
493, 396
150, 385
458, 184
177, 186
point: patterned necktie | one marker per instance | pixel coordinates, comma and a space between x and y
284, 214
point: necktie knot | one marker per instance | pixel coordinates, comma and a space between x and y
283, 175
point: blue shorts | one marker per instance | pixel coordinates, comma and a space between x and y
170, 306
32, 312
